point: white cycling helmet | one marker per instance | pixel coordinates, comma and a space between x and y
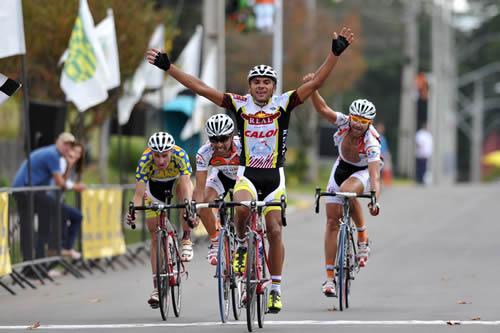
219, 124
161, 142
263, 70
363, 108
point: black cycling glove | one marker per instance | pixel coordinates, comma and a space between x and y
162, 61
339, 45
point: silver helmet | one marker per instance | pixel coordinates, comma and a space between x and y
161, 142
219, 124
363, 108
263, 70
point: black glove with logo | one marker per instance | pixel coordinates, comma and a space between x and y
162, 61
338, 45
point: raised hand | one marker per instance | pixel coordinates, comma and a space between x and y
159, 59
342, 41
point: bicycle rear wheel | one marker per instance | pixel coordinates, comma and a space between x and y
175, 279
341, 272
224, 274
251, 281
262, 296
162, 273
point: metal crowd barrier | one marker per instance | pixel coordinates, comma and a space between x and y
31, 233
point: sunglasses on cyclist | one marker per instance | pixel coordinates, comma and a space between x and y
360, 120
221, 138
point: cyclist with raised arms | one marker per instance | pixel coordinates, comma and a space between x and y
262, 120
217, 164
357, 169
162, 165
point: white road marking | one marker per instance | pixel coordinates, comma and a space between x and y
270, 323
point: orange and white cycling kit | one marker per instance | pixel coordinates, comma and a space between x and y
368, 150
263, 131
223, 170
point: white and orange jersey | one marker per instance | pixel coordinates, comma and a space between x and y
368, 145
263, 129
205, 159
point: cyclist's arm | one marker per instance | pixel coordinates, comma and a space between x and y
185, 188
140, 189
187, 80
374, 172
199, 189
324, 110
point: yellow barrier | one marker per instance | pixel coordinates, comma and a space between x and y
5, 266
102, 234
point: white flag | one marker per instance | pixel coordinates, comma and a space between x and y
209, 76
85, 74
145, 76
189, 62
11, 28
7, 87
106, 34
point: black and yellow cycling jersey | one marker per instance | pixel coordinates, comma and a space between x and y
262, 129
147, 170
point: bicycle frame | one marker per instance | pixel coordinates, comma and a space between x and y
345, 264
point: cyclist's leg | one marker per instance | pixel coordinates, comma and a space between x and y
358, 182
274, 229
243, 190
184, 190
210, 223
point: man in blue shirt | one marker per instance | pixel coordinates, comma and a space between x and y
44, 168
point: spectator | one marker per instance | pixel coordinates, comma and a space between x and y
45, 167
386, 155
423, 152
72, 167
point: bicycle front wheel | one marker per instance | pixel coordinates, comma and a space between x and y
341, 267
175, 277
223, 274
251, 280
162, 273
262, 294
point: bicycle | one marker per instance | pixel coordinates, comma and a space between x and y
228, 282
255, 280
170, 269
346, 264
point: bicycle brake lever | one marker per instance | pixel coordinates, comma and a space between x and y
316, 199
131, 211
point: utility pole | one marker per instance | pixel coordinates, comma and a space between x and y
278, 44
214, 24
408, 107
442, 106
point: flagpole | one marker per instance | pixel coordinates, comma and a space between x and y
29, 239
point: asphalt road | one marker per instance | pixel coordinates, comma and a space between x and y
432, 249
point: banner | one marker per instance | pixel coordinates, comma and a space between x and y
145, 76
7, 87
11, 28
189, 61
106, 34
209, 76
5, 267
85, 75
102, 234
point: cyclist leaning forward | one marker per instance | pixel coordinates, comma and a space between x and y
262, 119
162, 165
217, 164
357, 169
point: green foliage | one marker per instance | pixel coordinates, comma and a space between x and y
131, 150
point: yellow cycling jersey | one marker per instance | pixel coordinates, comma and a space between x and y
147, 170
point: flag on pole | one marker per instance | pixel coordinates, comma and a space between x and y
85, 74
11, 28
209, 76
189, 62
145, 76
106, 34
7, 87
